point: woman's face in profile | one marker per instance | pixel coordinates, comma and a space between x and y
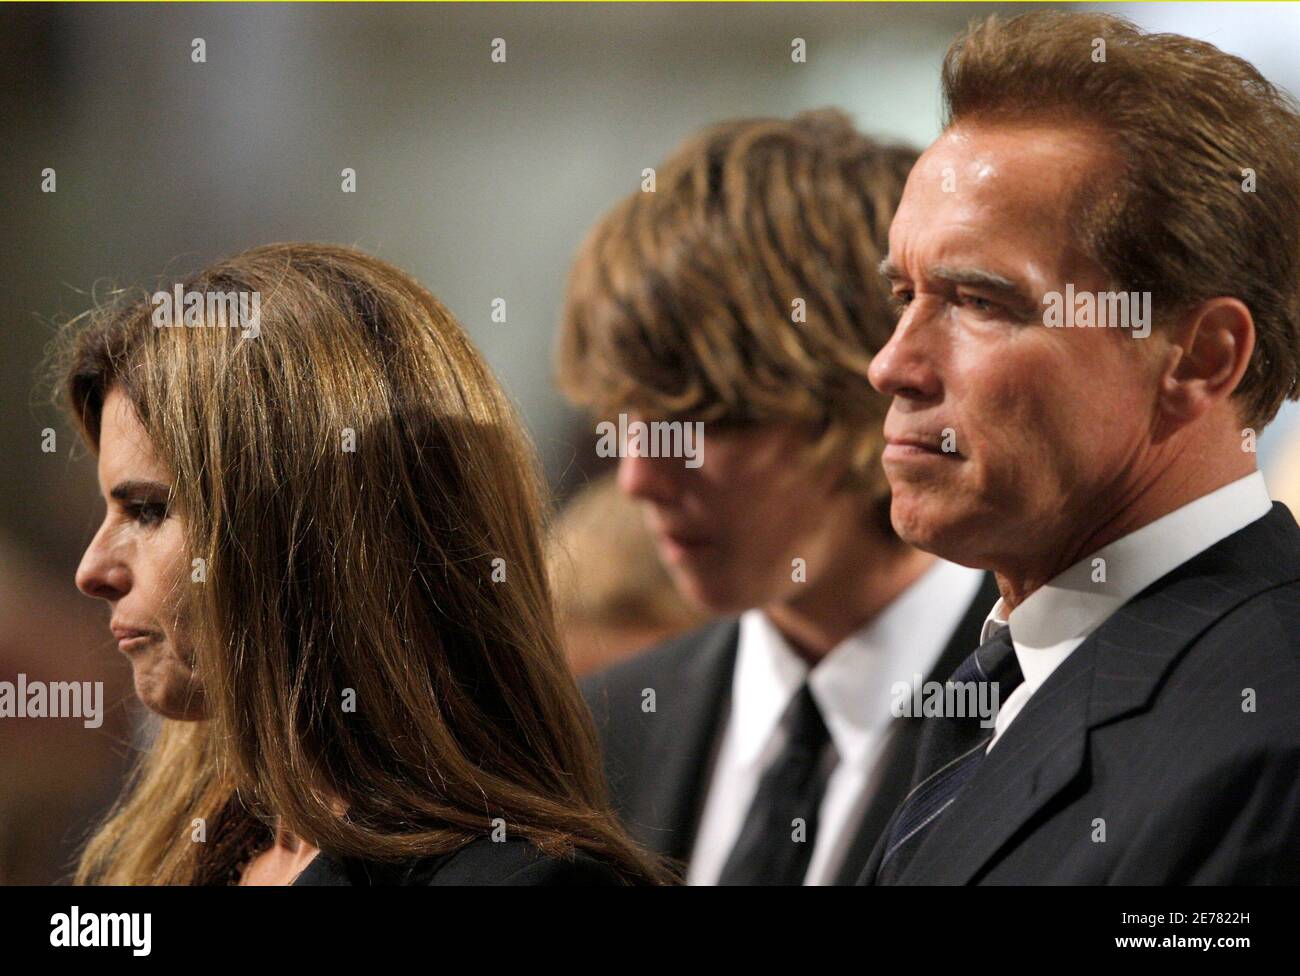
139, 564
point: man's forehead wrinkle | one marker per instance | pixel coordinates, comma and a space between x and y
970, 183
979, 208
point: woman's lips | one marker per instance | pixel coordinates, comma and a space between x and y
132, 638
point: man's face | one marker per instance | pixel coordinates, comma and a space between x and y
729, 530
1051, 426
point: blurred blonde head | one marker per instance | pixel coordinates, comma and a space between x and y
613, 595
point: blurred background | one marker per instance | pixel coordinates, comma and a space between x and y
480, 178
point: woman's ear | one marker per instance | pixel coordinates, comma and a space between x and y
1210, 349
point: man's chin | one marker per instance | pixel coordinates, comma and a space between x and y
925, 524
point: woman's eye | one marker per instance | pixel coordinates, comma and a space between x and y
147, 513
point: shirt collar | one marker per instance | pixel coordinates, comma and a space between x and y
852, 684
1075, 603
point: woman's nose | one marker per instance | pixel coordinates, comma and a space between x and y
100, 574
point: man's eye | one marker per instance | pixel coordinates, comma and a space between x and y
899, 301
147, 513
977, 303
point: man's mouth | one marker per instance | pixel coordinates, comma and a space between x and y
914, 447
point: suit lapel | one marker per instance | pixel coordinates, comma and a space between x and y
1113, 673
899, 755
679, 746
1041, 752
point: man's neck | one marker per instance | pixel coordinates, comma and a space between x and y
817, 619
1140, 503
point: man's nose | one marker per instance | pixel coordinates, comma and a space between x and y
905, 365
101, 574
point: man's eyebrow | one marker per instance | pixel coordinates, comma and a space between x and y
126, 490
969, 276
889, 270
975, 277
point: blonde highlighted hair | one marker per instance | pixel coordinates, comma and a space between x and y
330, 571
745, 287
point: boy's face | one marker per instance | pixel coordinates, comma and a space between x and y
729, 530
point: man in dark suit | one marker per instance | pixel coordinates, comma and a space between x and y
739, 291
1101, 308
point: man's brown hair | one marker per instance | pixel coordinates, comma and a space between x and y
744, 287
1191, 127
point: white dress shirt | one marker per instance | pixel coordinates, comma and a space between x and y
852, 689
1056, 618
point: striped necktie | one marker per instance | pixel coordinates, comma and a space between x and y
949, 754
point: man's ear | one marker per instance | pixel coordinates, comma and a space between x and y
1210, 348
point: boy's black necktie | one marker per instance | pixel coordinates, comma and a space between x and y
771, 849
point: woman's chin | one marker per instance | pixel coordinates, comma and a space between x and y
170, 696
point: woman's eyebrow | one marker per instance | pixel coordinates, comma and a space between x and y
125, 490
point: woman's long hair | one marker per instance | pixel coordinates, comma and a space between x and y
373, 625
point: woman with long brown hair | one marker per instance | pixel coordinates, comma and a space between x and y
323, 554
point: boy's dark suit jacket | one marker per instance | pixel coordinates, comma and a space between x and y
1147, 728
481, 862
659, 763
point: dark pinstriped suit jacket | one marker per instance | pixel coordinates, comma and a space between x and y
659, 764
1142, 729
